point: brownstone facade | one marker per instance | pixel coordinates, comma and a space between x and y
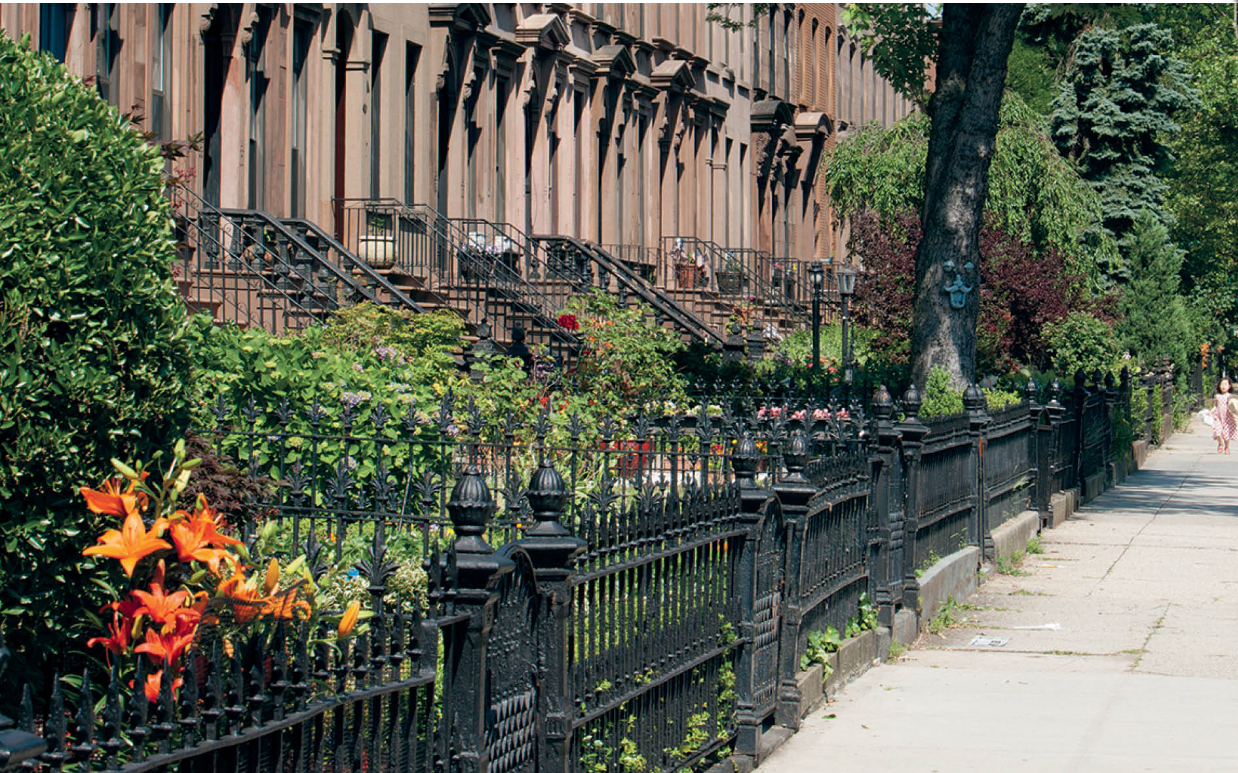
625, 124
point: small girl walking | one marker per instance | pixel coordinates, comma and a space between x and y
1224, 425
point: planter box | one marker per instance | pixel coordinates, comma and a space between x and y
377, 251
731, 283
685, 276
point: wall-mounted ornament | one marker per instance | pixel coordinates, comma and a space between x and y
958, 289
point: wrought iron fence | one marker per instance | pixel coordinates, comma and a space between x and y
582, 596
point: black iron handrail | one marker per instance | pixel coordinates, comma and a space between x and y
475, 276
230, 269
592, 266
312, 233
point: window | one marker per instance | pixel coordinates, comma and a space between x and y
54, 28
502, 87
301, 37
107, 44
411, 54
377, 52
258, 83
160, 72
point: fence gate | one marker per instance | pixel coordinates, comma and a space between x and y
767, 612
511, 683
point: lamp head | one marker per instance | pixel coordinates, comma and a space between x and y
846, 280
816, 275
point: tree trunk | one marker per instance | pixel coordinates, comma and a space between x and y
971, 76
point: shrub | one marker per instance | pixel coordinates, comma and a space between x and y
626, 361
93, 362
940, 398
997, 399
1081, 341
368, 327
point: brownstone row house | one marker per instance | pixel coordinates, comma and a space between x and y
648, 146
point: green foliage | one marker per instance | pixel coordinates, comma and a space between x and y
1034, 194
947, 617
1155, 321
898, 40
625, 361
1081, 341
1203, 189
997, 399
93, 362
940, 398
1113, 115
367, 327
821, 644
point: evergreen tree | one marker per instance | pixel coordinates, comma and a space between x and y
1156, 322
1113, 115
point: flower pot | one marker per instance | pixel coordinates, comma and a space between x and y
685, 276
377, 251
730, 283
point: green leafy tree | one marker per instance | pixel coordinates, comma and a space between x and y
973, 45
1156, 320
1034, 193
93, 362
1113, 116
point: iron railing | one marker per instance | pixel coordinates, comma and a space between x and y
479, 273
247, 268
589, 266
574, 596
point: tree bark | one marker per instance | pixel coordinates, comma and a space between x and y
971, 76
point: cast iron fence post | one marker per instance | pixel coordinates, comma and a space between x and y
912, 432
793, 492
1037, 438
17, 744
1111, 401
1080, 394
978, 422
476, 569
552, 550
754, 507
886, 541
1151, 406
1124, 395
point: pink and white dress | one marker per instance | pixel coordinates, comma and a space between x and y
1224, 426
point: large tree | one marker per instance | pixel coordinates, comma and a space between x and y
975, 43
1113, 116
973, 46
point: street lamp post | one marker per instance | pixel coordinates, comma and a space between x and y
817, 276
846, 288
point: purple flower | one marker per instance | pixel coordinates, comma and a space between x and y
357, 367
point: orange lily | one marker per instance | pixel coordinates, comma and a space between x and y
349, 620
192, 540
111, 500
166, 648
130, 544
283, 605
154, 681
246, 603
163, 607
121, 629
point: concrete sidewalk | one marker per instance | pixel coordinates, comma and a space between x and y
1121, 649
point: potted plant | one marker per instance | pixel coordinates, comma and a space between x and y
686, 271
731, 278
377, 246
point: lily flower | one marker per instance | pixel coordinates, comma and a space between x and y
349, 620
112, 500
163, 607
131, 543
153, 683
167, 648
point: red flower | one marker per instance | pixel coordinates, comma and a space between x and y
568, 322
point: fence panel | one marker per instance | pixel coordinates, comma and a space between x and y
1009, 464
946, 494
